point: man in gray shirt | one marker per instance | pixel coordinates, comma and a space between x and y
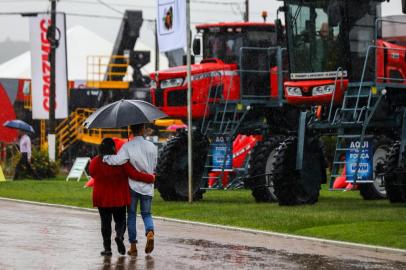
143, 155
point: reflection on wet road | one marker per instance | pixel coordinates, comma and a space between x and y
40, 237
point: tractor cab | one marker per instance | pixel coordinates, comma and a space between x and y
327, 46
225, 40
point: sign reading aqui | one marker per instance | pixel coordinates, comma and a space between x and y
361, 154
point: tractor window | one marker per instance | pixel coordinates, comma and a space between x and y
361, 24
314, 39
226, 45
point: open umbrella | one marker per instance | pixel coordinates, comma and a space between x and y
123, 113
19, 124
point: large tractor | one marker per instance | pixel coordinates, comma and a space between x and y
237, 89
347, 71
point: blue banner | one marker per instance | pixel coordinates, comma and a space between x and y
364, 156
222, 150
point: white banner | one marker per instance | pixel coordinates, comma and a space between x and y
41, 68
171, 24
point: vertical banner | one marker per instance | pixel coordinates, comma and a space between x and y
41, 68
171, 24
361, 154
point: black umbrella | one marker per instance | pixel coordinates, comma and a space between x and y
123, 113
19, 124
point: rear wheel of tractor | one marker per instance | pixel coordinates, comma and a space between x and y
260, 168
172, 168
294, 187
394, 180
376, 190
164, 182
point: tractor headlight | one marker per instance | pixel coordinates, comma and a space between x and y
294, 91
323, 90
171, 83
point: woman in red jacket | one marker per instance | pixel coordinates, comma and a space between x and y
111, 194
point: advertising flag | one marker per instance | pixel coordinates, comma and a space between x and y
171, 24
41, 68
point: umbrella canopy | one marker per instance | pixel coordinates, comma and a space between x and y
176, 127
19, 124
123, 113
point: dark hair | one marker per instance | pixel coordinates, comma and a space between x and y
136, 129
107, 147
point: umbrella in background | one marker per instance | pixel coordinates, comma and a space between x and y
19, 124
176, 127
123, 113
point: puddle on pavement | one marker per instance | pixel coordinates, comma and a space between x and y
245, 257
127, 262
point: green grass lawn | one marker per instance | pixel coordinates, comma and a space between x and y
338, 215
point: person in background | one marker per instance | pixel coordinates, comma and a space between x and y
143, 155
111, 194
23, 167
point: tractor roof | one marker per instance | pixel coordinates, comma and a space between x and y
234, 24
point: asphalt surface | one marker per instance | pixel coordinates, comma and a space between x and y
43, 237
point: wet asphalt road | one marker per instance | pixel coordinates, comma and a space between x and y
41, 237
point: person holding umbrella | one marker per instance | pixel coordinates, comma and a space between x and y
111, 194
141, 153
23, 166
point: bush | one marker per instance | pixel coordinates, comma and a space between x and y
44, 167
9, 164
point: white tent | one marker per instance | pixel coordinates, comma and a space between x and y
81, 43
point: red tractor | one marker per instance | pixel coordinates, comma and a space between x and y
226, 91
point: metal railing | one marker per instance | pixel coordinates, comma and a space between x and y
100, 72
341, 71
273, 53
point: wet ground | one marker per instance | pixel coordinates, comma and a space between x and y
41, 237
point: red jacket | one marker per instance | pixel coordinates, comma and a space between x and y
111, 187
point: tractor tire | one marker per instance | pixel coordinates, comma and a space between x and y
172, 168
260, 168
395, 183
376, 190
294, 187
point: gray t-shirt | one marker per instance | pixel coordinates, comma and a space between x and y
143, 155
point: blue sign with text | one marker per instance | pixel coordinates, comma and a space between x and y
361, 154
222, 150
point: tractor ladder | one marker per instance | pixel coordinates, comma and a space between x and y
351, 120
221, 130
69, 131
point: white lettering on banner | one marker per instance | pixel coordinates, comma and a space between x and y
317, 75
46, 67
41, 68
213, 74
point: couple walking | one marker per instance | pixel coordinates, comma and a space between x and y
121, 181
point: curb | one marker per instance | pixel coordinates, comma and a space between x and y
379, 249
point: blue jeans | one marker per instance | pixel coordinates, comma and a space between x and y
145, 205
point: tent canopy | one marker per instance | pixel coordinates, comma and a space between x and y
81, 43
